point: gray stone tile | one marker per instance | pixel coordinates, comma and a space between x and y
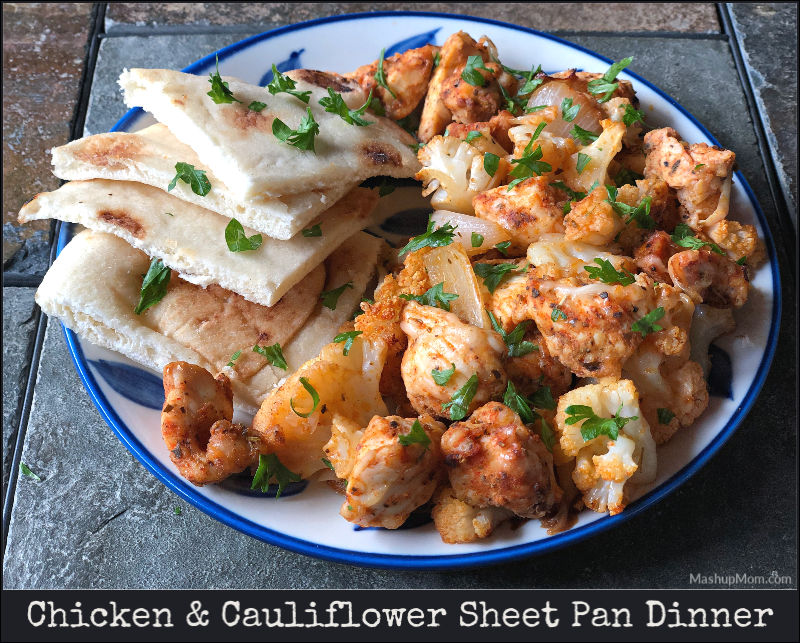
611, 16
18, 333
61, 535
767, 33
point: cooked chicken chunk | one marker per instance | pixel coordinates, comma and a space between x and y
710, 278
390, 479
538, 368
440, 340
653, 255
495, 128
493, 459
593, 220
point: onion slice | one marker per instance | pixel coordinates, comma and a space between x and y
466, 225
450, 264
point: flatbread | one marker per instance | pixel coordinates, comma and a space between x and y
94, 284
149, 156
191, 240
238, 145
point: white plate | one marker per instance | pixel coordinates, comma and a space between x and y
307, 521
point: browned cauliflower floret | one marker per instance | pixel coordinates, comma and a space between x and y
493, 459
709, 277
600, 153
458, 522
592, 219
527, 211
739, 241
556, 148
389, 477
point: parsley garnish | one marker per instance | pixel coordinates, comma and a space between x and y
313, 231
196, 179
274, 355
534, 108
699, 165
314, 398
25, 470
270, 467
503, 247
303, 137
519, 404
529, 164
572, 194
219, 89
513, 103
377, 107
626, 176
416, 435
606, 85
543, 398
442, 377
256, 106
476, 240
583, 136
568, 110
331, 297
380, 78
684, 237
442, 236
237, 240
334, 103
348, 339
154, 285
583, 161
472, 135
632, 115
516, 347
594, 425
491, 163
436, 58
233, 358
531, 82
327, 463
640, 213
557, 314
493, 274
665, 416
608, 274
647, 324
434, 296
281, 83
471, 74
358, 310
461, 399
742, 261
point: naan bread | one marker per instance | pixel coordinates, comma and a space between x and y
191, 240
94, 285
149, 156
238, 145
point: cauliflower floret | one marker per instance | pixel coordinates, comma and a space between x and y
709, 277
708, 323
592, 220
342, 447
538, 368
556, 149
739, 241
605, 468
600, 154
453, 171
615, 110
554, 256
527, 211
458, 522
389, 479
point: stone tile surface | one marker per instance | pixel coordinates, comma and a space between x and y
18, 333
767, 33
44, 50
612, 16
100, 520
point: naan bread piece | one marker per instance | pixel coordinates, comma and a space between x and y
238, 145
149, 156
191, 240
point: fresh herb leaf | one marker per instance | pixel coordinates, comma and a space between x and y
459, 403
256, 106
434, 296
583, 161
331, 297
334, 103
683, 236
517, 403
313, 231
572, 194
220, 93
476, 240
380, 77
274, 355
542, 398
416, 435
327, 463
358, 310
314, 398
534, 108
529, 164
516, 346
436, 59
493, 274
177, 511
416, 146
490, 163
627, 177
25, 470
269, 466
557, 314
632, 115
531, 82
281, 83
647, 324
503, 247
606, 86
169, 214
513, 103
471, 73
699, 165
640, 213
472, 135
664, 416
608, 274
442, 377
238, 241
442, 236
348, 338
583, 136
196, 179
547, 434
377, 106
593, 425
154, 285
742, 261
568, 110
303, 137
234, 357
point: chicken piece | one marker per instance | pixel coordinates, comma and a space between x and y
458, 522
508, 303
710, 278
527, 211
538, 368
440, 340
388, 479
493, 459
653, 256
451, 98
496, 128
203, 443
592, 220
407, 75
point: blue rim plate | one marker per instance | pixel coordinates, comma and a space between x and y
106, 375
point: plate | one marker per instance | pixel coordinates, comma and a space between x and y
306, 519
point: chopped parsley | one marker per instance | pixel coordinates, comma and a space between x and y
233, 358
582, 162
281, 83
572, 194
476, 240
593, 425
640, 213
626, 176
434, 296
568, 110
557, 314
459, 403
314, 398
698, 166
516, 346
177, 511
220, 93
313, 231
604, 87
196, 179
665, 416
348, 338
472, 135
583, 136
269, 466
632, 115
442, 377
503, 247
493, 274
529, 164
327, 463
522, 407
608, 274
416, 435
303, 137
25, 470
331, 297
684, 237
491, 163
154, 285
441, 236
238, 241
542, 398
471, 74
742, 261
274, 355
334, 103
256, 106
647, 324
380, 77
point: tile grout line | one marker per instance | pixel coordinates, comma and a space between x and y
786, 229
76, 130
